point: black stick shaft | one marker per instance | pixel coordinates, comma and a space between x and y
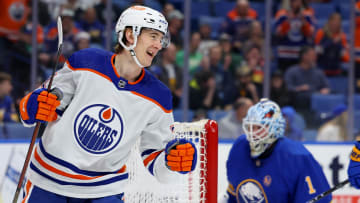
320, 196
35, 135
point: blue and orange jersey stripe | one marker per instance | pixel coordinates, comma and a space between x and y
131, 83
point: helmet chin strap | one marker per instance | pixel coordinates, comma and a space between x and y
133, 54
130, 48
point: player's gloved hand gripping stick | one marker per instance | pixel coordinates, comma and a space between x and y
39, 106
354, 166
180, 155
353, 173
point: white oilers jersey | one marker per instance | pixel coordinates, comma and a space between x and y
82, 154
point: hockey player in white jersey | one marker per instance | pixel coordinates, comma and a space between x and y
109, 101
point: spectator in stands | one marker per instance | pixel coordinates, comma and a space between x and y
278, 90
304, 79
175, 19
238, 22
294, 28
207, 40
167, 9
203, 94
20, 59
222, 74
331, 46
48, 56
230, 127
169, 73
357, 46
230, 58
82, 40
7, 107
335, 129
77, 6
91, 24
13, 17
194, 56
291, 130
256, 35
243, 86
255, 61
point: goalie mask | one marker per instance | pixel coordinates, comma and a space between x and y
138, 17
263, 125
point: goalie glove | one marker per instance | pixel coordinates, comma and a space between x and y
39, 105
180, 155
354, 166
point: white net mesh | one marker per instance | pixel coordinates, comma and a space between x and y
143, 187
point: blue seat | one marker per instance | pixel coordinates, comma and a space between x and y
345, 25
200, 9
357, 102
357, 118
259, 7
344, 10
299, 121
321, 103
17, 131
178, 115
214, 22
309, 135
338, 85
320, 23
223, 7
153, 4
122, 3
323, 10
217, 114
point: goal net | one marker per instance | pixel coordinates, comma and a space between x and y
198, 186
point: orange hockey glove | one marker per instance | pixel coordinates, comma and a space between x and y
180, 155
39, 105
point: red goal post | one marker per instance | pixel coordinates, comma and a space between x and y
199, 186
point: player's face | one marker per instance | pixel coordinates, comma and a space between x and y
258, 132
149, 44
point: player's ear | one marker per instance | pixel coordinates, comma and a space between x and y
129, 37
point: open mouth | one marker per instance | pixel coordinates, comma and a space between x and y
150, 53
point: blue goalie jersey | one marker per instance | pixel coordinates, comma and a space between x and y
290, 174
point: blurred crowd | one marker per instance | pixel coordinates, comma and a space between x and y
226, 58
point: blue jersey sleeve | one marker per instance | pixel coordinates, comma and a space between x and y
311, 181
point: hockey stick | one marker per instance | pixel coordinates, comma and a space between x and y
36, 129
317, 198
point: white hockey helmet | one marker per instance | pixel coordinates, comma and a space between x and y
139, 17
263, 125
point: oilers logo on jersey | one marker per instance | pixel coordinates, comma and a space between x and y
16, 11
251, 191
98, 128
295, 30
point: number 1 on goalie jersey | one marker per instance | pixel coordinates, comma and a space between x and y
310, 185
